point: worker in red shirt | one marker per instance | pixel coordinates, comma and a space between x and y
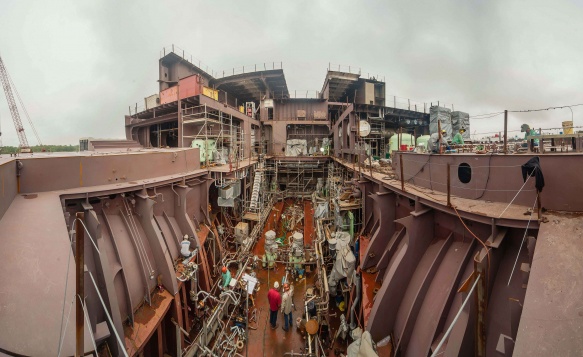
274, 304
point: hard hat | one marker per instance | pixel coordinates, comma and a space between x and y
462, 130
443, 131
276, 285
186, 236
224, 269
286, 286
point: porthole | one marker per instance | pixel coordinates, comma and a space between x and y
464, 172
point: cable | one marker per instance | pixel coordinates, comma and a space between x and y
66, 324
66, 283
485, 117
487, 179
487, 277
84, 306
521, 243
446, 334
121, 344
524, 184
543, 109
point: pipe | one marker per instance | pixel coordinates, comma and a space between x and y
194, 285
351, 228
356, 301
177, 195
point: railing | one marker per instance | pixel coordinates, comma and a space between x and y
187, 57
354, 70
201, 112
219, 74
308, 94
394, 101
249, 69
136, 109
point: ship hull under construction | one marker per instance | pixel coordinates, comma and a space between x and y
167, 243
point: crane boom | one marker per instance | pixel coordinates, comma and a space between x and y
12, 106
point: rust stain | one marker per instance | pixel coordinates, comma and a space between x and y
146, 320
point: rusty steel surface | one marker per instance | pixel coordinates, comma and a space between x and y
552, 316
31, 323
147, 321
79, 282
498, 178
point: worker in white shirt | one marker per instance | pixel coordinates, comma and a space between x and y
286, 306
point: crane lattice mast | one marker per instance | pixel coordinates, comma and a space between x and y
12, 106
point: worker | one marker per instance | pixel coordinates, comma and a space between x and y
433, 143
286, 306
274, 299
298, 260
528, 132
458, 137
226, 275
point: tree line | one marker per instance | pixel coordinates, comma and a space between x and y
39, 148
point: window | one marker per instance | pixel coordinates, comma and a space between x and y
464, 172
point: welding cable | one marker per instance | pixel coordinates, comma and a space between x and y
479, 240
523, 238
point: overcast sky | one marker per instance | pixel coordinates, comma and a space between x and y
78, 65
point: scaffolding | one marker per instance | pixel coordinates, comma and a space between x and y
377, 139
220, 136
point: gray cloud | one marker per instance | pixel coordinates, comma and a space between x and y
79, 65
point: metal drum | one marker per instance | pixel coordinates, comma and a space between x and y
298, 239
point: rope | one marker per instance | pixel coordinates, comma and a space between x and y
461, 187
529, 176
66, 324
446, 334
523, 238
84, 305
121, 344
477, 167
65, 294
89, 234
479, 240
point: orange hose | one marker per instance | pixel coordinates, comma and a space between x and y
479, 240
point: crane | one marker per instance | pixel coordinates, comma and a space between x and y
6, 84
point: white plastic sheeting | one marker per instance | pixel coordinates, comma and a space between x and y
362, 345
461, 120
321, 210
296, 147
344, 264
444, 116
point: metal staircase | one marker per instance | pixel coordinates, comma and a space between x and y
257, 183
